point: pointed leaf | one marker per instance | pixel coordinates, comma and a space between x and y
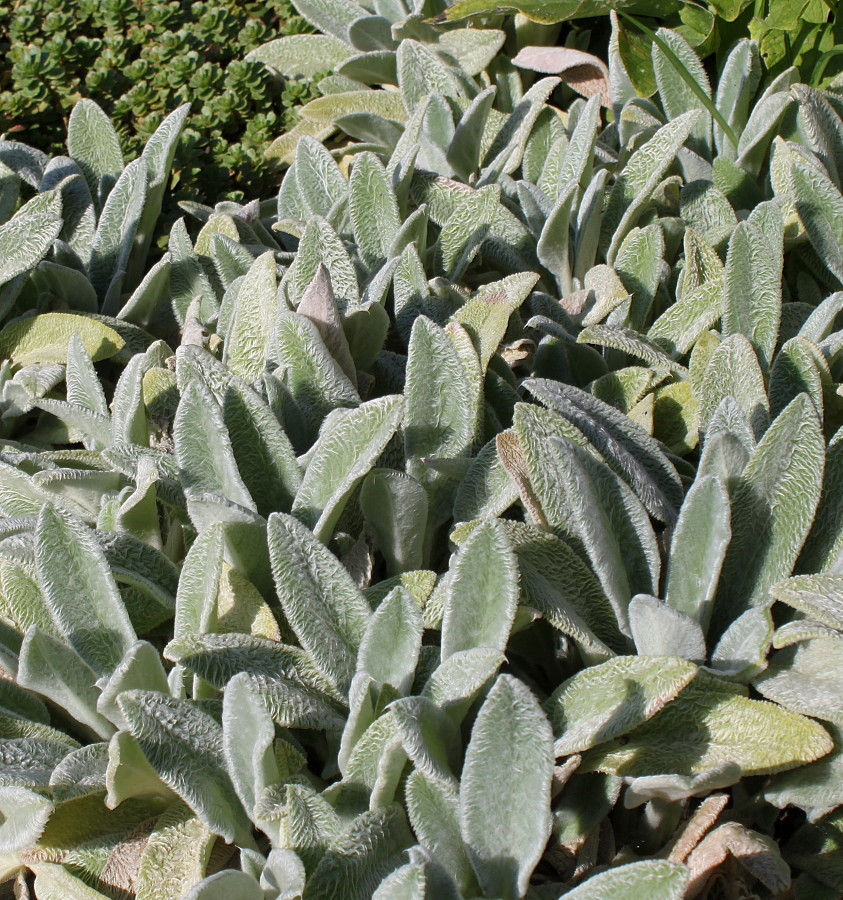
511, 735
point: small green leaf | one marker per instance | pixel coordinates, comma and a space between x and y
486, 315
229, 884
628, 449
440, 414
248, 737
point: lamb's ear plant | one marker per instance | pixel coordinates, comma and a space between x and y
435, 529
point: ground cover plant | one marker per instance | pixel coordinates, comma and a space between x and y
465, 521
138, 61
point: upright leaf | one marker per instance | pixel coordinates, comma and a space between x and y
80, 591
341, 458
773, 505
698, 549
482, 593
94, 145
511, 735
323, 606
250, 329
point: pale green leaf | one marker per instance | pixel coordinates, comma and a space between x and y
709, 723
613, 698
94, 145
323, 606
357, 861
24, 814
230, 884
80, 591
54, 882
698, 549
752, 294
250, 329
185, 747
342, 456
806, 678
395, 507
819, 206
51, 668
661, 630
818, 596
203, 447
733, 371
389, 650
635, 185
372, 208
27, 237
301, 54
482, 594
510, 735
115, 235
175, 856
773, 505
628, 449
433, 807
44, 338
649, 879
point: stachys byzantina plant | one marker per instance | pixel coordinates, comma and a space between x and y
459, 529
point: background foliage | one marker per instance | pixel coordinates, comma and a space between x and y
138, 60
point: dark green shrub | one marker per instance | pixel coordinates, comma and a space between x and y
138, 59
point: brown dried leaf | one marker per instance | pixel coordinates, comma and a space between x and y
585, 73
705, 816
121, 868
757, 853
512, 459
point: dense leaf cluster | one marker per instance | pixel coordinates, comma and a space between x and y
139, 59
463, 521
